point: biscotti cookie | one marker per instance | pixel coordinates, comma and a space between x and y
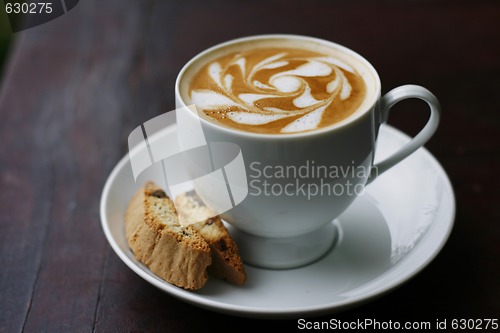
176, 253
226, 262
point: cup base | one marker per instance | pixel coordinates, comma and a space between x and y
288, 252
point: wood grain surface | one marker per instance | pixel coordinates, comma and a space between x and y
75, 87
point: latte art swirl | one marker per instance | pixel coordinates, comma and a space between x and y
277, 90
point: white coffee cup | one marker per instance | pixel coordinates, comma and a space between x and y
286, 219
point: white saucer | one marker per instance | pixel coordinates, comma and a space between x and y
386, 237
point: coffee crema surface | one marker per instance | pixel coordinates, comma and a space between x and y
277, 90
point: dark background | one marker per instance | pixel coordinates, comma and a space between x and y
74, 88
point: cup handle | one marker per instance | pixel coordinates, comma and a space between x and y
386, 103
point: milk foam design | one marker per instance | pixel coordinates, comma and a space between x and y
291, 79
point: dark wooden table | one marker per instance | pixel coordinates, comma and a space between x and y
75, 87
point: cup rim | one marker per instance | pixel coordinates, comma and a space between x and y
316, 132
